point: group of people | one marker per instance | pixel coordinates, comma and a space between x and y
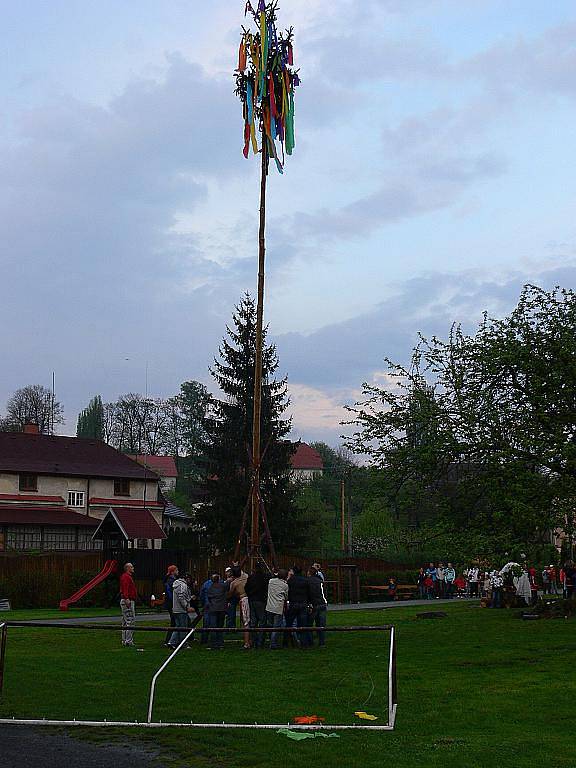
439, 581
286, 598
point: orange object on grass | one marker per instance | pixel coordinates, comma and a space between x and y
308, 719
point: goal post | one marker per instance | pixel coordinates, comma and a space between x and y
150, 722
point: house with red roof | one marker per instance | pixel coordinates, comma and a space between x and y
55, 491
306, 463
163, 466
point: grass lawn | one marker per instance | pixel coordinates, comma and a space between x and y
476, 689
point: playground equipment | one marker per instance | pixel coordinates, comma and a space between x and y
110, 567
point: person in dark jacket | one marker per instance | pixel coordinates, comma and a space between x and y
298, 602
319, 605
205, 615
169, 579
217, 596
257, 591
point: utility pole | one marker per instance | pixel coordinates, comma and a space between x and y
342, 516
52, 403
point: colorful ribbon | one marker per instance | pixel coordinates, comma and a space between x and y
265, 84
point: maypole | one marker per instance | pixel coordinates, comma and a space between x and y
265, 82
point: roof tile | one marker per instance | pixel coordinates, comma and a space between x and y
72, 456
306, 457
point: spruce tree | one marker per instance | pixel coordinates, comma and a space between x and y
229, 430
91, 420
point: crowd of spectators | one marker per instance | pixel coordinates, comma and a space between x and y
436, 581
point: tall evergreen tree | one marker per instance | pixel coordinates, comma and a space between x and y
229, 431
91, 420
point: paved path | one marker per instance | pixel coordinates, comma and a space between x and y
161, 616
24, 747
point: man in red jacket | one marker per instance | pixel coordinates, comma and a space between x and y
128, 597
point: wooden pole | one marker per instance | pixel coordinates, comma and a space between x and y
342, 517
257, 416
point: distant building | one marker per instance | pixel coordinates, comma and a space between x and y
306, 463
176, 519
55, 491
163, 466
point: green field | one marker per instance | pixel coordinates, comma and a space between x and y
478, 688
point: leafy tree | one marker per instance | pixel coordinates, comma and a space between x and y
185, 429
91, 420
229, 432
33, 404
480, 431
136, 424
171, 427
194, 400
313, 513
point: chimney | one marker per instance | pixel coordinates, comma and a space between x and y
31, 429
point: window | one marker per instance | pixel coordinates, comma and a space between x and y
121, 487
75, 498
23, 538
59, 538
28, 482
85, 539
142, 543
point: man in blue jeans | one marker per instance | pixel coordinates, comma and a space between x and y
217, 596
298, 602
181, 607
257, 590
319, 605
275, 604
206, 615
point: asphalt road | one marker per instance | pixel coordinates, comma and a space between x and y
155, 616
23, 747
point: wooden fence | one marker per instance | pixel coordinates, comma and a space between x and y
42, 580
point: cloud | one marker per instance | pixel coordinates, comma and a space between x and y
340, 356
433, 184
545, 64
91, 265
429, 162
358, 62
314, 411
326, 368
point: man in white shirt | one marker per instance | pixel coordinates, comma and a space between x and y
277, 596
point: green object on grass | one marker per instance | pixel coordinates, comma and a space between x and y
295, 735
300, 736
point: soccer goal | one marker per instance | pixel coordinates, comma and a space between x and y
349, 684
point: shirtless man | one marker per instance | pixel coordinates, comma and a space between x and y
238, 591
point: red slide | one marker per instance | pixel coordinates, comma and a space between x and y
110, 567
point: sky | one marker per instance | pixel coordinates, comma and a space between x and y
433, 176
